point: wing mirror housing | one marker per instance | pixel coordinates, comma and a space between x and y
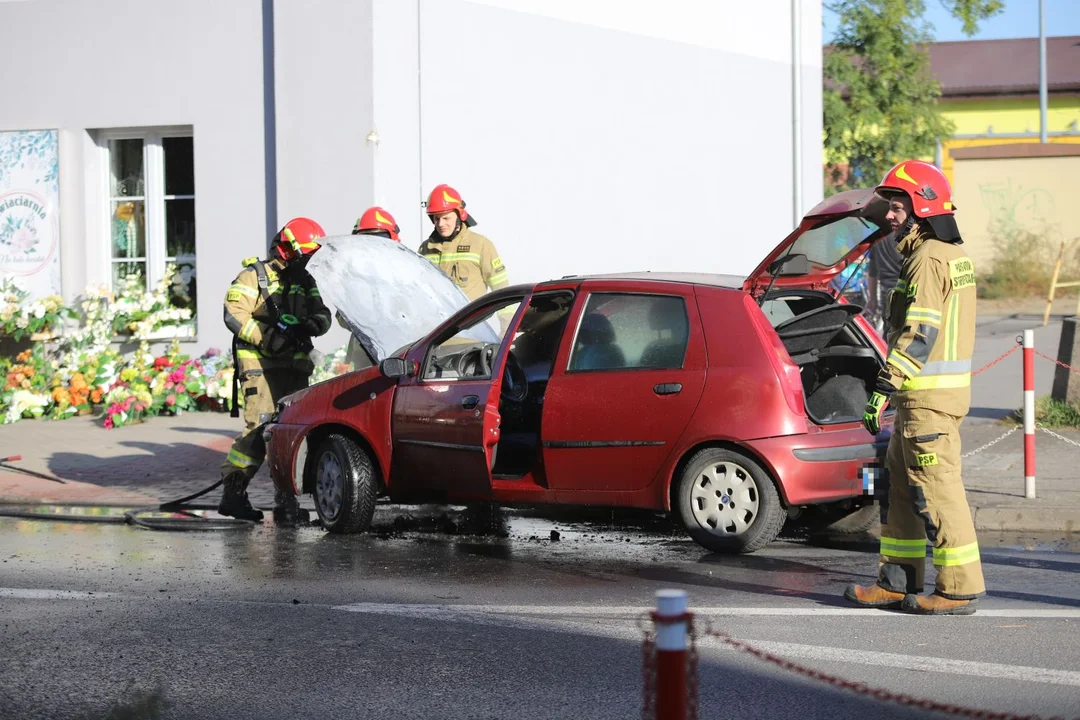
790, 266
395, 367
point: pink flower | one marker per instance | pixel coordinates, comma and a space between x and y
127, 404
108, 423
170, 400
139, 407
176, 376
24, 240
181, 388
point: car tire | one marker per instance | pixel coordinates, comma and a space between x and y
344, 485
839, 519
742, 516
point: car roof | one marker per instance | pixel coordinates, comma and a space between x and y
734, 282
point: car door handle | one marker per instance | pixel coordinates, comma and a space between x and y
667, 388
470, 401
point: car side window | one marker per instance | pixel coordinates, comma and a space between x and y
471, 351
623, 331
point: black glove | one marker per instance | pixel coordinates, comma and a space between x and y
313, 327
296, 336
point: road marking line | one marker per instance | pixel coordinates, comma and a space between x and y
634, 611
45, 594
1021, 673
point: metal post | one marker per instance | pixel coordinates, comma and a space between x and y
796, 111
1029, 414
671, 655
1042, 71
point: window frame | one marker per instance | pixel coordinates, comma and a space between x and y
481, 314
154, 205
570, 370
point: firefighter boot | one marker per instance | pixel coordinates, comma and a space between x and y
894, 582
234, 500
873, 596
935, 604
287, 510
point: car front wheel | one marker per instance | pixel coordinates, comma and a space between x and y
345, 485
728, 503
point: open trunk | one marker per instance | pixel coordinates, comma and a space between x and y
837, 362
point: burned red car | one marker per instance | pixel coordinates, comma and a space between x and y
734, 403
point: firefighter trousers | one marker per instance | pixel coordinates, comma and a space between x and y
926, 501
261, 390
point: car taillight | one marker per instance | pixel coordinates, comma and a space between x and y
786, 370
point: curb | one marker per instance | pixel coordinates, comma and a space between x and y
1015, 518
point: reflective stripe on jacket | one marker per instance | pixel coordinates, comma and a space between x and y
469, 259
932, 325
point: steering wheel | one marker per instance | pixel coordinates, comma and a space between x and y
515, 382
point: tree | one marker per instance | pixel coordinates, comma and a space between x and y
880, 98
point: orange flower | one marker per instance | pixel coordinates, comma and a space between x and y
78, 382
24, 356
60, 395
95, 395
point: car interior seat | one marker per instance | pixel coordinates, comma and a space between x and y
668, 319
595, 348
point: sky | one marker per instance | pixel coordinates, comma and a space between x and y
1019, 19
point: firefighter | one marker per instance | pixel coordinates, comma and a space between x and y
467, 258
378, 222
927, 378
273, 308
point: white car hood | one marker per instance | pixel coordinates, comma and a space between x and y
389, 295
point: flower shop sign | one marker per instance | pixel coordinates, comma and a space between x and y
29, 210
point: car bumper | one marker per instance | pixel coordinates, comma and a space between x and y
832, 465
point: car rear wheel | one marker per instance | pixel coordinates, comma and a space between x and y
728, 502
345, 485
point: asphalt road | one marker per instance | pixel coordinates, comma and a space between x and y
422, 619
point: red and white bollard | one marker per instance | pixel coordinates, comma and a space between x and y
1029, 413
672, 654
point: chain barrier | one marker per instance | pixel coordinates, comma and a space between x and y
861, 688
1059, 437
990, 444
999, 358
648, 665
1056, 361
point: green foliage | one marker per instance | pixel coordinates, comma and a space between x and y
1023, 263
880, 99
1051, 413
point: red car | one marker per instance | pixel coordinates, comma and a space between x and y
736, 403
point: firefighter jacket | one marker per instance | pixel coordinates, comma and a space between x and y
253, 320
931, 326
469, 259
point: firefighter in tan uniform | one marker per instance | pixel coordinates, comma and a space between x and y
467, 258
273, 308
927, 378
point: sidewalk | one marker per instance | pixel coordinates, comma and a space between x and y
167, 458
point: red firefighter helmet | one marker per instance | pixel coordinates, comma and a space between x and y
444, 199
377, 221
927, 187
298, 237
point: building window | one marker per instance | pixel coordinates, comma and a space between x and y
151, 209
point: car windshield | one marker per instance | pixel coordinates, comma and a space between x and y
827, 244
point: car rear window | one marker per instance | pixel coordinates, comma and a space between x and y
827, 244
622, 331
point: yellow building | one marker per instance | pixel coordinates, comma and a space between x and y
990, 90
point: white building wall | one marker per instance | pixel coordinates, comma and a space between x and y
577, 129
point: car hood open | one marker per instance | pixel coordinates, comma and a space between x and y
386, 294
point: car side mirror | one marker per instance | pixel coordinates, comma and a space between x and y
790, 266
394, 367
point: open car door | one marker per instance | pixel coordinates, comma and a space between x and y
445, 422
834, 234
